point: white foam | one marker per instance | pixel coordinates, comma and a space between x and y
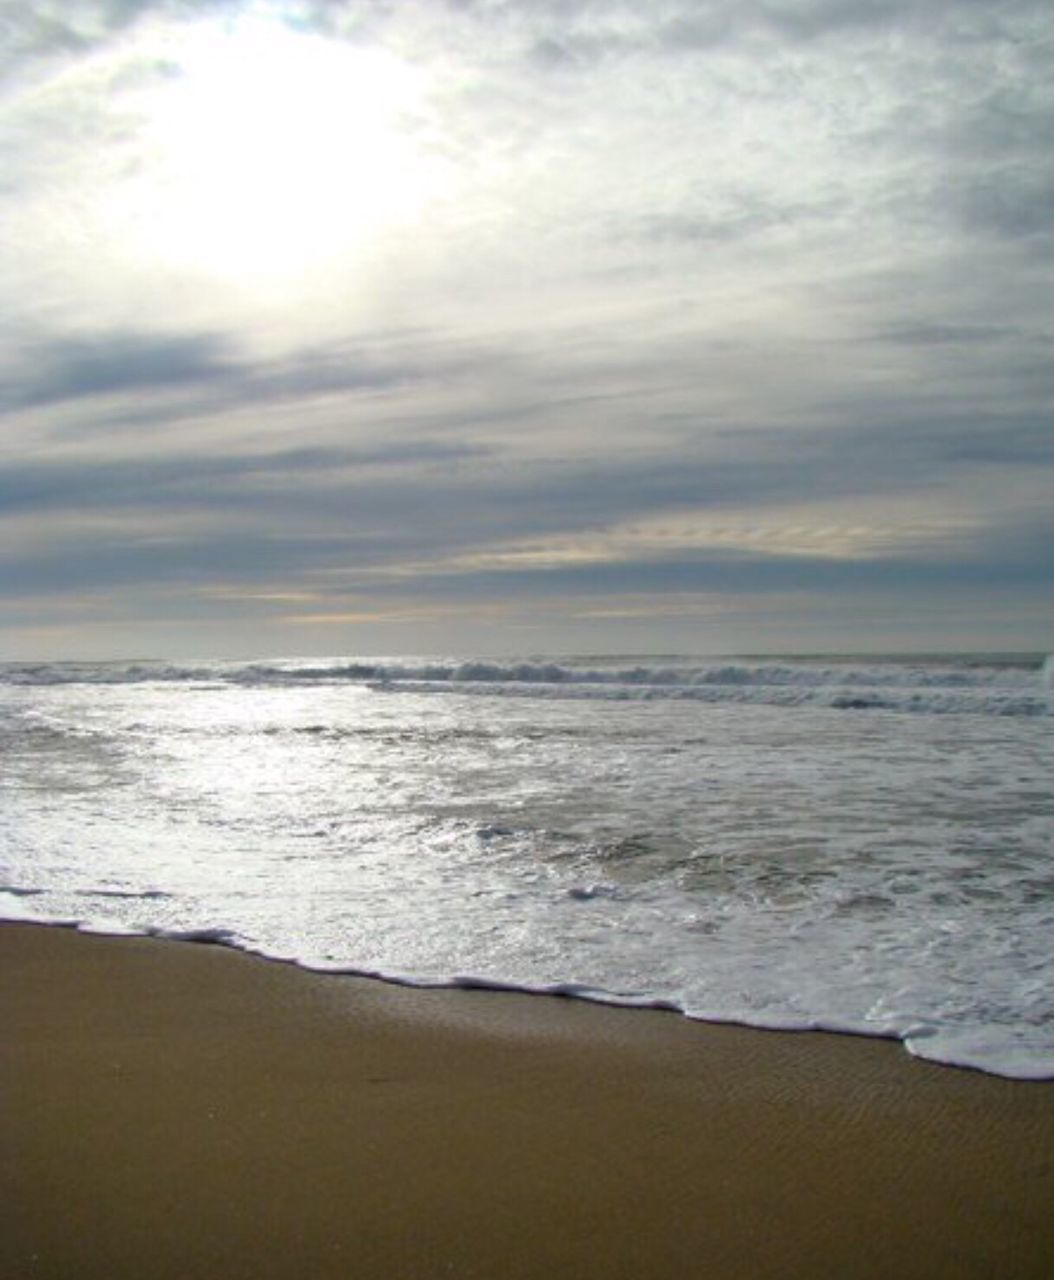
109, 928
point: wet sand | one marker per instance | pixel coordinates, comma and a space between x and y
185, 1111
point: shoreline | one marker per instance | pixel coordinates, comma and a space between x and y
219, 938
196, 1111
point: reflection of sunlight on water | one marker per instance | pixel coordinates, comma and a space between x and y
262, 758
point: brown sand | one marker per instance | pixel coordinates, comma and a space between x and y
185, 1111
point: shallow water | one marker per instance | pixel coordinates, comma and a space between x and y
854, 845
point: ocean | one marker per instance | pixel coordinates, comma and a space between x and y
853, 844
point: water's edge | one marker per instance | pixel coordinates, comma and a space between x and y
563, 991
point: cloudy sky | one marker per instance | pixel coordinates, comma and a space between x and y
523, 325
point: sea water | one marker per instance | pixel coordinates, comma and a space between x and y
863, 845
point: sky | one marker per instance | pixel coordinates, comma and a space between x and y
524, 326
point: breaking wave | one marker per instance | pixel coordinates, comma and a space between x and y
1006, 685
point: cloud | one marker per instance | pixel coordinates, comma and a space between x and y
71, 368
452, 516
214, 481
76, 26
713, 298
920, 333
83, 368
1013, 206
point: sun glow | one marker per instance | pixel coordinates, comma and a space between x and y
272, 152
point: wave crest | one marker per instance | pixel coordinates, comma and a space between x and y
1012, 685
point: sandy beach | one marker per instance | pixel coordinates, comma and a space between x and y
187, 1111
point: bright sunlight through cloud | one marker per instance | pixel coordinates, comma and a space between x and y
272, 152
